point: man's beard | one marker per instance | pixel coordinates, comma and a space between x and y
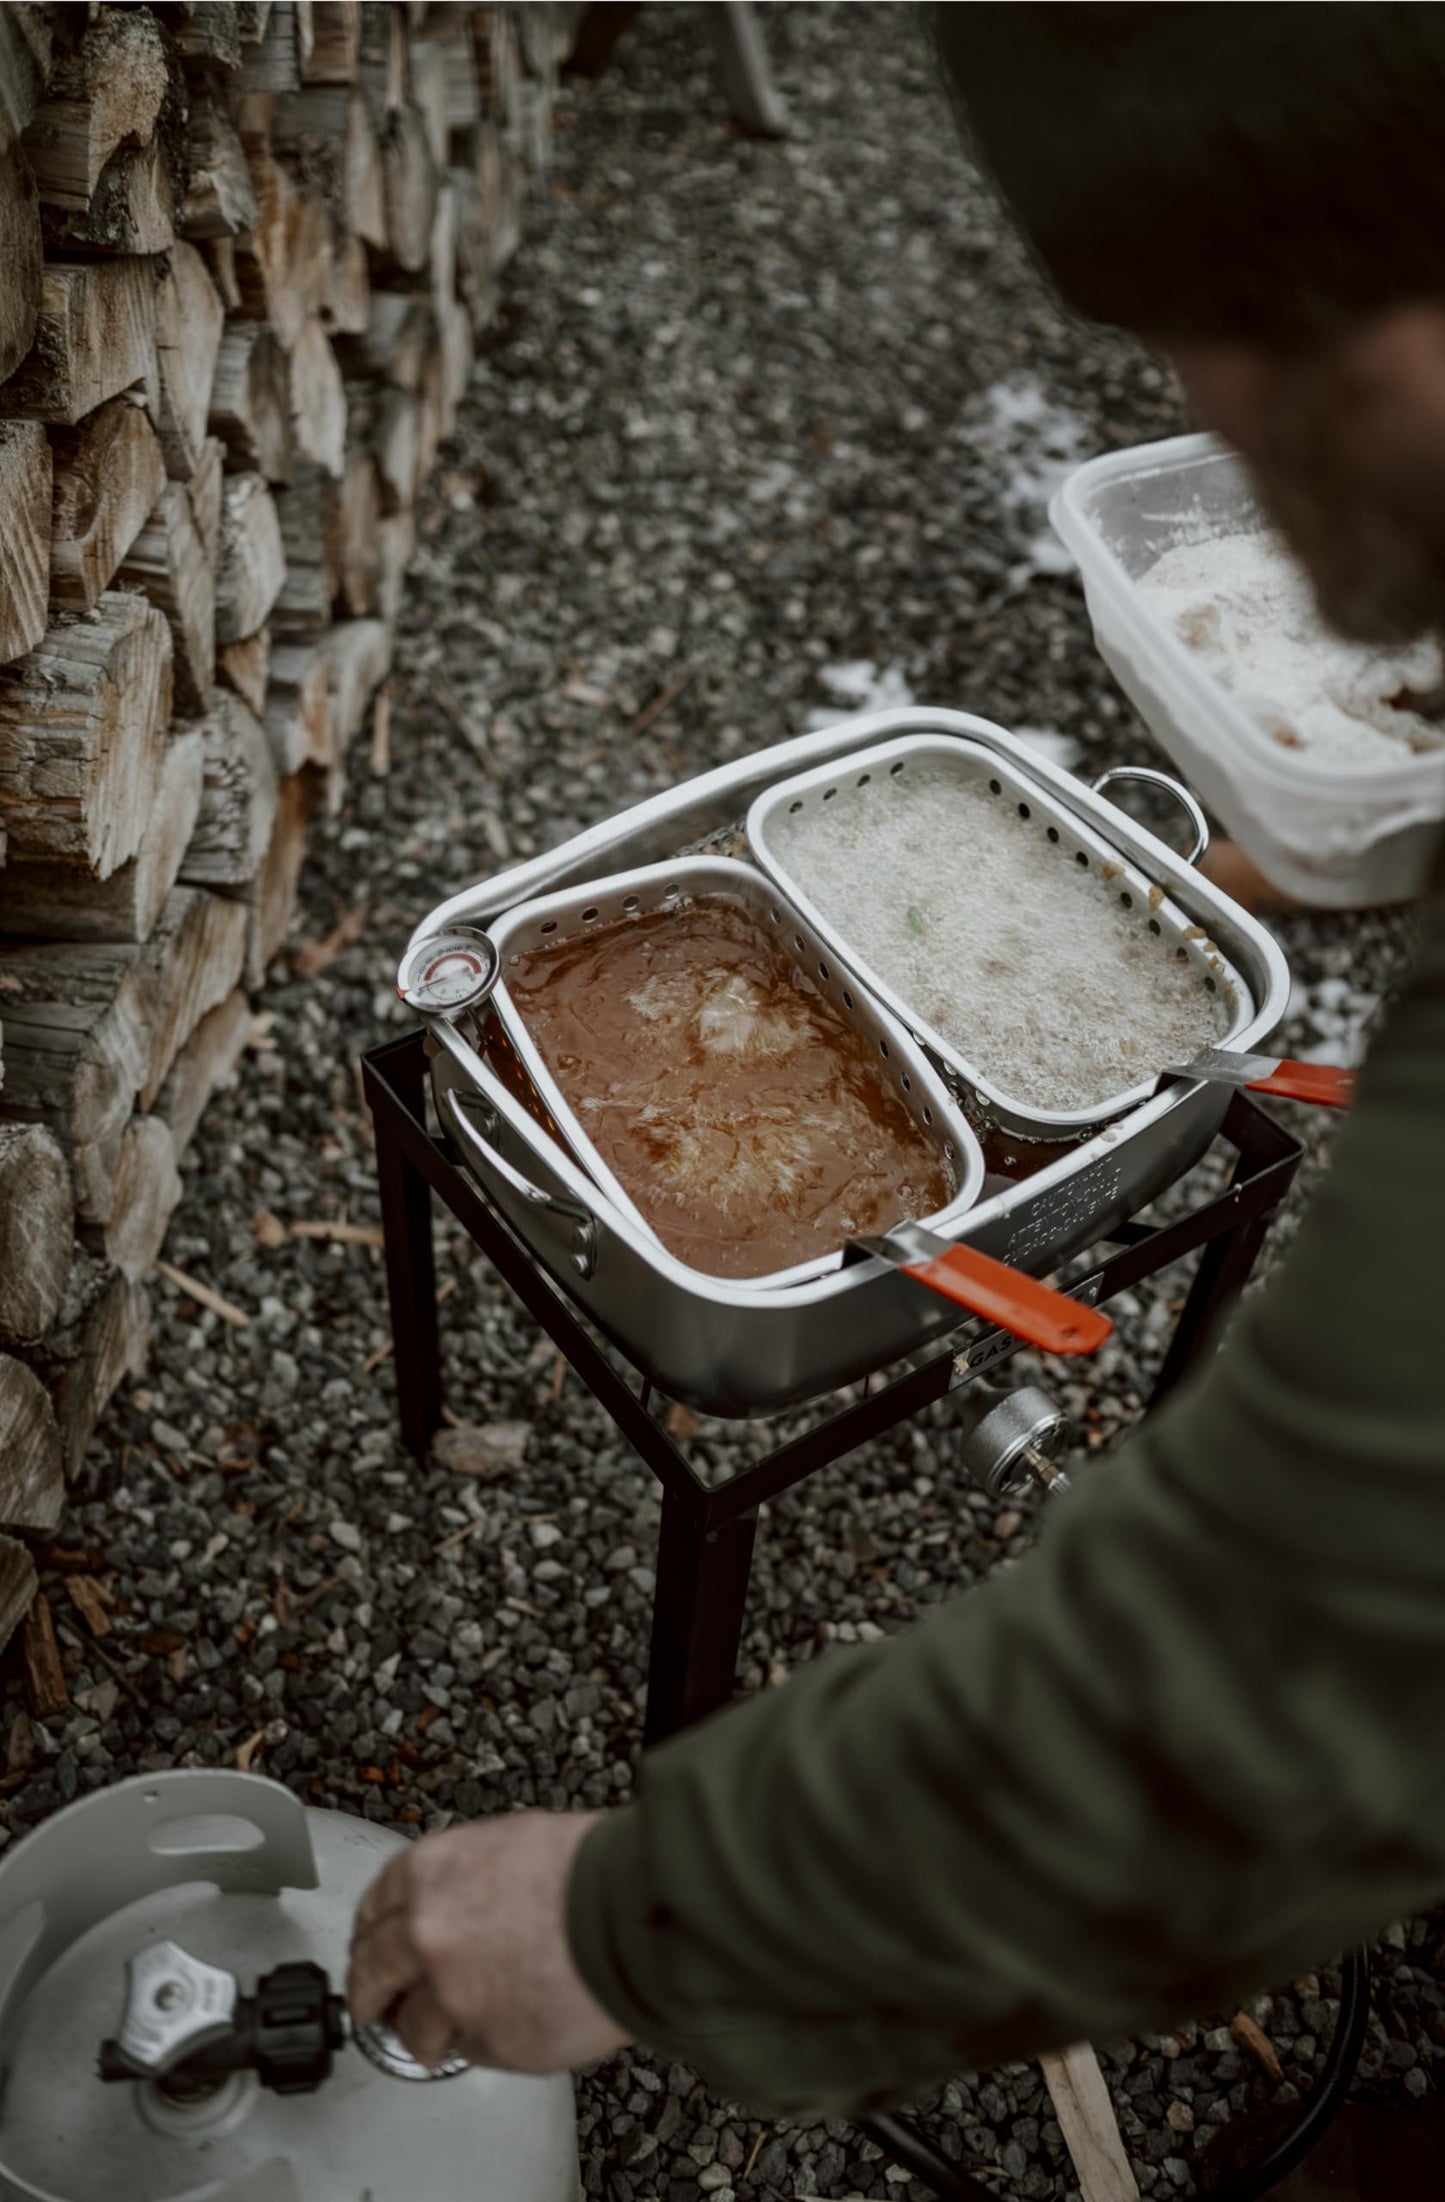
1368, 528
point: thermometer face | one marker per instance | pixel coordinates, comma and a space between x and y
449, 972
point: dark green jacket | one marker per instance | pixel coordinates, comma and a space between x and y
1194, 1742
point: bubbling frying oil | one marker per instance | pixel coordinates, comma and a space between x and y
752, 1126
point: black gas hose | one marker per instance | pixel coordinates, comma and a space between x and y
915, 2154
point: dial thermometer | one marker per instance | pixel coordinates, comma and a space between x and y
449, 972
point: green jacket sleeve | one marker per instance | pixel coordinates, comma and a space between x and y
1194, 1742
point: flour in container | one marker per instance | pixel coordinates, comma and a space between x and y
1021, 959
1245, 607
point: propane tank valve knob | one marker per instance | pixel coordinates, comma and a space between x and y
186, 2026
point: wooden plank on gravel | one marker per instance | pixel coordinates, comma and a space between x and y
82, 731
108, 472
25, 495
1089, 2125
32, 1476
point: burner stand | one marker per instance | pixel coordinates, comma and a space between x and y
706, 1542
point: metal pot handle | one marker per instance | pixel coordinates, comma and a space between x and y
480, 1135
1171, 786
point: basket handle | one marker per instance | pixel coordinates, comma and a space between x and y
1171, 786
476, 1124
1009, 1297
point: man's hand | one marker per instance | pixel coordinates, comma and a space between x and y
461, 1944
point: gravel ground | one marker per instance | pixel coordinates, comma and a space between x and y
762, 431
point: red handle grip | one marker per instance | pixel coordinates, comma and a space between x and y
1323, 1083
1016, 1302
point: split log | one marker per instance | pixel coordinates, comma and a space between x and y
309, 511
431, 66
20, 257
401, 331
298, 706
359, 651
220, 255
167, 564
95, 336
191, 961
82, 722
273, 903
147, 1189
273, 64
409, 176
211, 35
447, 37
348, 310
108, 473
335, 43
76, 1043
478, 190
27, 55
204, 491
238, 802
25, 490
32, 1475
381, 66
246, 667
252, 565
207, 1061
37, 1224
329, 142
442, 251
189, 318
498, 60
263, 257
63, 902
396, 541
105, 94
221, 199
252, 16
459, 355
360, 555
133, 208
250, 401
395, 447
311, 258
19, 1594
318, 401
99, 1337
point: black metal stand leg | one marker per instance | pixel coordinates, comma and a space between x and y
697, 1615
1224, 1270
411, 1286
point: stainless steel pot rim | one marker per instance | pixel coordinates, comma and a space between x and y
656, 827
602, 901
879, 764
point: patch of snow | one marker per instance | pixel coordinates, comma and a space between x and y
860, 685
1035, 442
1060, 749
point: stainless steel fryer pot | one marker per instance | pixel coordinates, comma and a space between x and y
736, 1350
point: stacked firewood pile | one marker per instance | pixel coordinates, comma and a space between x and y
244, 252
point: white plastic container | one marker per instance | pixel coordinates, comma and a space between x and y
1326, 829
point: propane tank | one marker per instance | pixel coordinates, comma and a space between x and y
169, 2029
